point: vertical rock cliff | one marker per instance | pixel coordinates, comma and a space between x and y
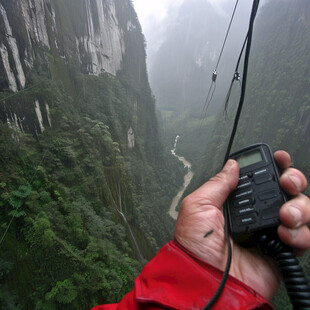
95, 37
89, 30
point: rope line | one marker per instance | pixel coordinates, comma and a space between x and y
214, 74
205, 114
232, 17
236, 76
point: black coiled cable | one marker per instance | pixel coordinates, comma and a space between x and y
294, 278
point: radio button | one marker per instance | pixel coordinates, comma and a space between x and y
243, 178
267, 194
244, 211
243, 194
263, 178
243, 185
261, 171
243, 202
270, 213
250, 219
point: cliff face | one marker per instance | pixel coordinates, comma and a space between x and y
92, 35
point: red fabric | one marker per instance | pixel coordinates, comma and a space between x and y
175, 279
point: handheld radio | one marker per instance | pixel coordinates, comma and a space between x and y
253, 217
254, 205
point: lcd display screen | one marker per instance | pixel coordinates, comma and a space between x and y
249, 158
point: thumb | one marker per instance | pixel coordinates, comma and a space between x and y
217, 189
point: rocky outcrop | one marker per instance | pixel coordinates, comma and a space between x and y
96, 31
93, 36
103, 43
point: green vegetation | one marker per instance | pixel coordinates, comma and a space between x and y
63, 243
67, 193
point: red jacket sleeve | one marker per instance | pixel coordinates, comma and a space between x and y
176, 279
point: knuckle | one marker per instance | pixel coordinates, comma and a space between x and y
187, 201
222, 178
302, 202
218, 179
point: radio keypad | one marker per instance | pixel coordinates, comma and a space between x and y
249, 185
255, 203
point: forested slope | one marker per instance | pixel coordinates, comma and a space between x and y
85, 184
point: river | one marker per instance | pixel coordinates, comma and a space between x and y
187, 179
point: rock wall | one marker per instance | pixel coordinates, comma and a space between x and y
89, 35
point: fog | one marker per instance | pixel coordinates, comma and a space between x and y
157, 17
183, 48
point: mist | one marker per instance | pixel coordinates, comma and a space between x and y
183, 52
158, 20
182, 64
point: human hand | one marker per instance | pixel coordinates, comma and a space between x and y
200, 225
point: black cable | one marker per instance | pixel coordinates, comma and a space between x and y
232, 17
244, 78
296, 284
219, 291
214, 75
236, 76
205, 114
242, 49
206, 103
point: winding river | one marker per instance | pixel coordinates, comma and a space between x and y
187, 179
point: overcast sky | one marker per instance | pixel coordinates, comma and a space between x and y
150, 11
157, 9
153, 9
153, 15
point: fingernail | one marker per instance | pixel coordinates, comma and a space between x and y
228, 165
293, 233
296, 215
296, 181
